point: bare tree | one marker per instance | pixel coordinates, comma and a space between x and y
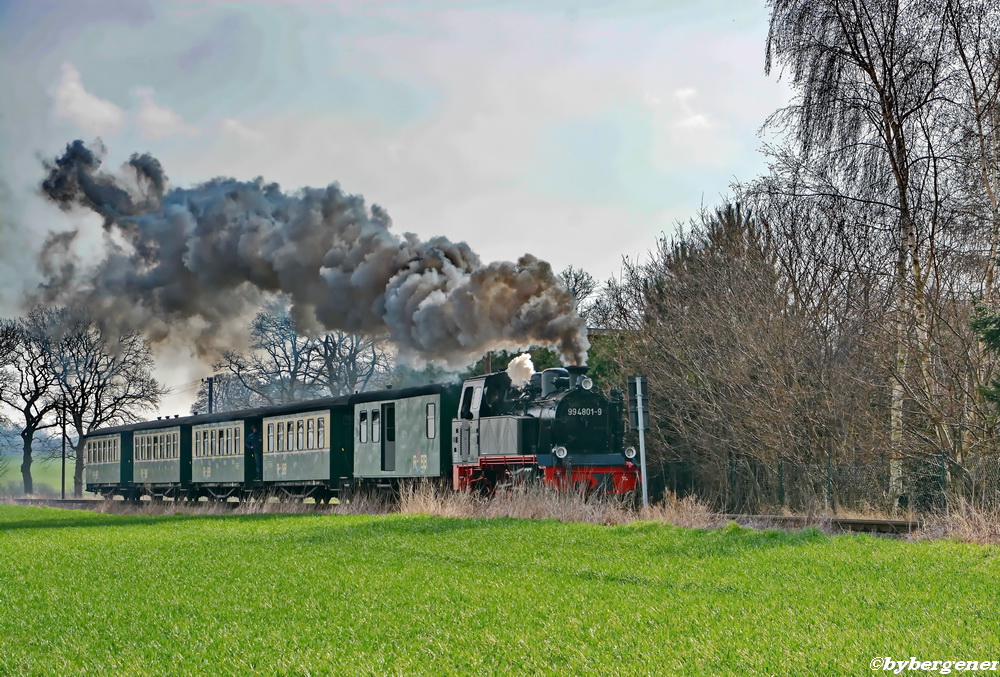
9, 339
30, 386
869, 127
102, 379
582, 285
284, 365
345, 363
278, 366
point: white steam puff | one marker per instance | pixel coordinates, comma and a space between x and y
196, 261
520, 370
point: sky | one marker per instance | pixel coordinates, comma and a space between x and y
578, 131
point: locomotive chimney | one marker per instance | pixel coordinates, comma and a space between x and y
576, 375
550, 380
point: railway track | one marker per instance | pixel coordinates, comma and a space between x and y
864, 525
884, 527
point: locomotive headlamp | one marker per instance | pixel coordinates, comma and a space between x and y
629, 452
560, 451
586, 383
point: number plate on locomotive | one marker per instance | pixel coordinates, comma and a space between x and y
584, 411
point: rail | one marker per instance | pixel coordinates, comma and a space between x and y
865, 525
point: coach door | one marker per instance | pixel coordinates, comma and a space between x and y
388, 429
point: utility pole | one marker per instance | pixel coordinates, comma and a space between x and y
639, 420
62, 420
211, 393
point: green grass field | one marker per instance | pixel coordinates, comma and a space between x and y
84, 593
44, 473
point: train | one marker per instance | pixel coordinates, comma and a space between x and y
484, 434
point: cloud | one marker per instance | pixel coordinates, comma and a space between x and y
92, 114
240, 131
156, 121
690, 119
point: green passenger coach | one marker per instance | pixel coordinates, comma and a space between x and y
107, 461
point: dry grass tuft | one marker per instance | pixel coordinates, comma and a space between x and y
961, 522
682, 512
535, 501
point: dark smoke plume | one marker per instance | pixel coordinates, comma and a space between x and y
196, 261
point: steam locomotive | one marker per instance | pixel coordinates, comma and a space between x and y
485, 434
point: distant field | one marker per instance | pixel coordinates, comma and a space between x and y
45, 475
86, 593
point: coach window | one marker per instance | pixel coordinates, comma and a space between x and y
431, 421
363, 427
197, 444
320, 434
300, 435
290, 436
214, 448
229, 441
270, 437
311, 433
281, 437
236, 440
376, 430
